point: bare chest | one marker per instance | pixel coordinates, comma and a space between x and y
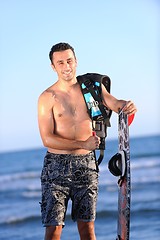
70, 106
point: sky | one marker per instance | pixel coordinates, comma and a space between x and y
117, 38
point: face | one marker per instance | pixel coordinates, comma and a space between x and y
64, 64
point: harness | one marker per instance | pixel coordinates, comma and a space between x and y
91, 87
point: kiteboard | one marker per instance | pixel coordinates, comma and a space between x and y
119, 165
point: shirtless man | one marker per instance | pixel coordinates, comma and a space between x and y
69, 170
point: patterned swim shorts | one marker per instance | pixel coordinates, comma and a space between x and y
64, 177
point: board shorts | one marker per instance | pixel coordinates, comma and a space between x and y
64, 177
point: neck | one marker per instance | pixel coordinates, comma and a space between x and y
67, 85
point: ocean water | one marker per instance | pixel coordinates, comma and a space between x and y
20, 194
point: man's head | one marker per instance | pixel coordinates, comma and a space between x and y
63, 61
60, 47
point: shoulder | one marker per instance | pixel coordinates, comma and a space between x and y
49, 92
47, 95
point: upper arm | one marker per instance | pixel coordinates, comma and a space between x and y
45, 115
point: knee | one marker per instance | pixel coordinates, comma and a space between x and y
86, 230
53, 233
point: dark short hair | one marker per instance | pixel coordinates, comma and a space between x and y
60, 47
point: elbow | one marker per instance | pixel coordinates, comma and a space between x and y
46, 142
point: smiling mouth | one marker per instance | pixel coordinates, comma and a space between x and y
67, 73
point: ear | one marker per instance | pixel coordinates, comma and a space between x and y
52, 66
76, 62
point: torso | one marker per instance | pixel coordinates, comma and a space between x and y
71, 120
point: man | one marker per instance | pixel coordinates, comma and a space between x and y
69, 170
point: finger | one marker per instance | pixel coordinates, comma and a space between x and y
97, 145
127, 105
129, 108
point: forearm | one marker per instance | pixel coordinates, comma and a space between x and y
55, 142
128, 107
115, 104
111, 102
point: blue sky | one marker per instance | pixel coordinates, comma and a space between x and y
117, 38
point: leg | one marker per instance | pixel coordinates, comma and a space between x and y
86, 230
55, 195
84, 196
53, 233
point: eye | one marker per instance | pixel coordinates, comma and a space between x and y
69, 61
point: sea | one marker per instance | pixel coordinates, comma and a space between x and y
20, 194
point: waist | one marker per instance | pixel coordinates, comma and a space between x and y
73, 155
72, 152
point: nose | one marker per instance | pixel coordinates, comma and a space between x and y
66, 66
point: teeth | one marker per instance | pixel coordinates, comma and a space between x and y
67, 73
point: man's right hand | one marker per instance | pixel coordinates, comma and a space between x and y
92, 143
